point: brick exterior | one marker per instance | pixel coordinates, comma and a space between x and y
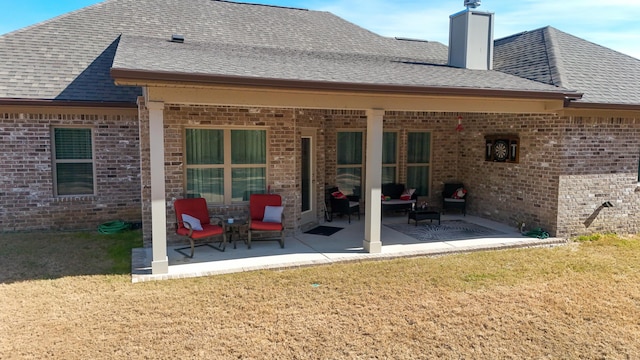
27, 200
568, 166
601, 162
284, 156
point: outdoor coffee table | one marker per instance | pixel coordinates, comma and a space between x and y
234, 229
424, 214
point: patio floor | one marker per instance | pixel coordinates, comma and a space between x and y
303, 249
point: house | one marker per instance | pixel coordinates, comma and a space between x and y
115, 110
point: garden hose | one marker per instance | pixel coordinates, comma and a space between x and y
538, 233
113, 227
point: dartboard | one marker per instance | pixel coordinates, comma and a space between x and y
500, 150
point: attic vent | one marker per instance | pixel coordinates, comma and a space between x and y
177, 38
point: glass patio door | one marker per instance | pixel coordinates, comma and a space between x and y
307, 177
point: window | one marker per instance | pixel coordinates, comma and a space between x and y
349, 162
389, 157
418, 160
225, 165
73, 163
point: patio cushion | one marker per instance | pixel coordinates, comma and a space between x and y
265, 226
207, 230
194, 211
393, 190
196, 207
258, 203
407, 194
262, 209
195, 223
338, 195
272, 214
459, 193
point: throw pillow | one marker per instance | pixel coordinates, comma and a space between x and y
338, 195
272, 214
193, 222
407, 194
459, 193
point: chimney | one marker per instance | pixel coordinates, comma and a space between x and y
471, 38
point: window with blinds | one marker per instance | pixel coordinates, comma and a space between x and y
73, 162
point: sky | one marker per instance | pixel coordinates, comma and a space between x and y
611, 23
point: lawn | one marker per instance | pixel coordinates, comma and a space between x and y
70, 296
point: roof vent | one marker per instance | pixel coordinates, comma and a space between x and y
177, 38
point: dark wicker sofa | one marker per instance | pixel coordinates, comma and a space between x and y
393, 191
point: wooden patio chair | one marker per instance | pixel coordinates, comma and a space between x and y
266, 216
194, 222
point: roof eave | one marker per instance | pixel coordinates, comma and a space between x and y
602, 106
144, 77
66, 103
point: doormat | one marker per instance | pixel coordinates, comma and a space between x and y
448, 230
324, 230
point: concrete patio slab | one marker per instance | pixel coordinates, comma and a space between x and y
303, 249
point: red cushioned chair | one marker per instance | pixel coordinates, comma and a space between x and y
266, 220
202, 228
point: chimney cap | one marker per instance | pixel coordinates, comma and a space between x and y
472, 4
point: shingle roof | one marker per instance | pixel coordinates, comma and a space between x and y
69, 57
160, 55
554, 57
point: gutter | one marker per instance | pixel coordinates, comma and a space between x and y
143, 77
601, 106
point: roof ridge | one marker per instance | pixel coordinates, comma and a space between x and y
554, 58
265, 5
520, 34
400, 38
263, 47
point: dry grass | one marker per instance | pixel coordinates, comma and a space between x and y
575, 301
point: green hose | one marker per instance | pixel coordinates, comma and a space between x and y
537, 233
113, 227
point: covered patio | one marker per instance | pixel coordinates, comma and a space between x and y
302, 249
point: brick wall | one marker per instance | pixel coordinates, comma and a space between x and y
284, 155
565, 163
26, 183
601, 160
568, 167
508, 192
440, 125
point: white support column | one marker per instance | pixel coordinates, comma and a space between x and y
372, 243
160, 262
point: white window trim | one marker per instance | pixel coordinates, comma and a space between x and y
55, 161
